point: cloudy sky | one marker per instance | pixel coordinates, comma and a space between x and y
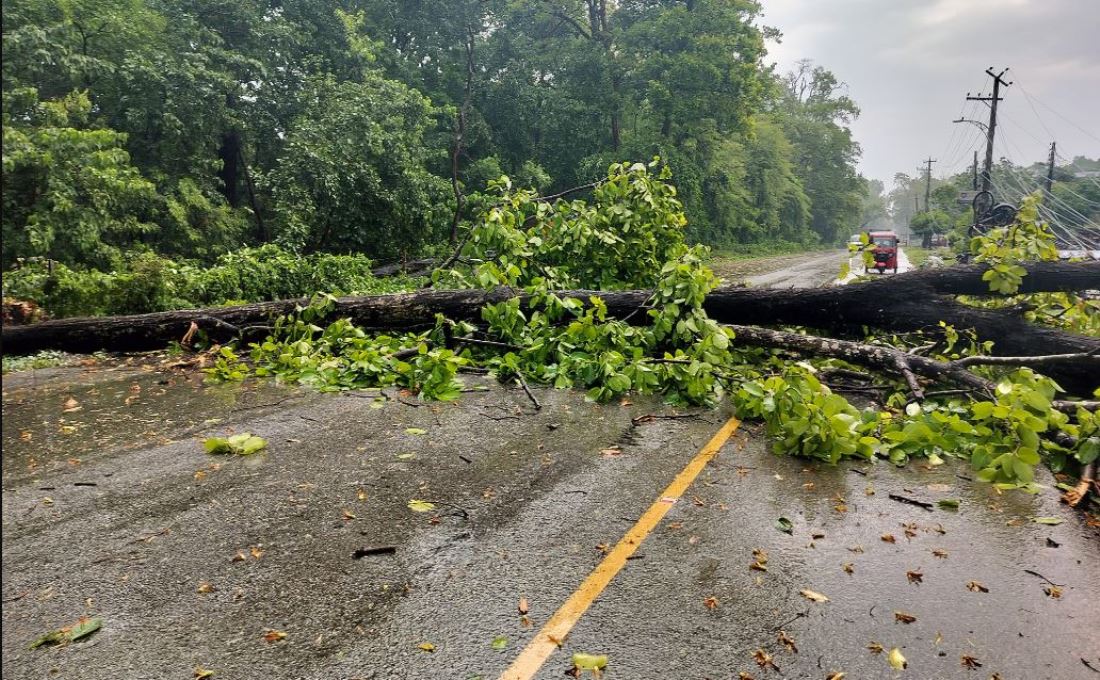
909, 64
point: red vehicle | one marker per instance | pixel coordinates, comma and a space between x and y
884, 251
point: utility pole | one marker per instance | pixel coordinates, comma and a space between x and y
928, 183
974, 182
1050, 169
916, 201
998, 81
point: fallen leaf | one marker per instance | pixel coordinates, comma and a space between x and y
1053, 591
499, 642
835, 676
915, 576
939, 638
948, 503
83, 627
848, 567
205, 588
940, 552
896, 660
840, 507
589, 662
889, 538
361, 495
763, 659
525, 621
200, 475
523, 605
787, 641
71, 405
416, 430
348, 514
426, 647
976, 587
856, 549
875, 647
256, 552
711, 602
811, 595
970, 662
744, 676
243, 444
784, 525
1052, 521
869, 490
808, 485
26, 435
609, 452
421, 506
272, 635
406, 456
202, 673
904, 618
698, 502
240, 556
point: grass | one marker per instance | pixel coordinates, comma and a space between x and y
44, 359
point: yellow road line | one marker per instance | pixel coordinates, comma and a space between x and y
553, 633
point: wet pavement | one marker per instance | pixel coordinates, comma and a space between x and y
810, 271
191, 559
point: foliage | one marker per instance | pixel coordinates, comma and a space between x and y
43, 359
145, 282
243, 444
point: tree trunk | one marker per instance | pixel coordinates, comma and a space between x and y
901, 303
230, 154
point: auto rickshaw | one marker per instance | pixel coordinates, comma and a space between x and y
884, 251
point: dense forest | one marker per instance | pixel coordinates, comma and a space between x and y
191, 129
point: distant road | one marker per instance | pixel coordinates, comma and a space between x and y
809, 271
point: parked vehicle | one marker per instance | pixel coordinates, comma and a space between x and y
884, 251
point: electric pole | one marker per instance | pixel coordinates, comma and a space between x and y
974, 182
1050, 169
998, 81
928, 183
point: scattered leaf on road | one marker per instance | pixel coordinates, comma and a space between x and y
71, 405
915, 576
711, 602
940, 552
83, 627
500, 642
589, 662
970, 662
243, 444
205, 588
889, 538
415, 430
814, 596
948, 503
904, 617
784, 525
421, 506
787, 641
1047, 520
203, 673
875, 647
976, 587
763, 659
848, 567
1053, 591
523, 605
272, 635
835, 676
896, 659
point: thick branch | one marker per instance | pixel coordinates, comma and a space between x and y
905, 302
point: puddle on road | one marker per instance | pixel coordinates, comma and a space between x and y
70, 415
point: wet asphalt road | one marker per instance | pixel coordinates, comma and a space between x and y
525, 504
815, 269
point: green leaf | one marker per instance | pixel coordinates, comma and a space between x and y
589, 662
948, 503
1053, 521
415, 430
500, 642
784, 525
79, 630
421, 506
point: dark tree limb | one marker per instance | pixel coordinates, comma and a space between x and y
901, 303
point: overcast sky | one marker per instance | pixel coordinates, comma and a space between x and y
909, 64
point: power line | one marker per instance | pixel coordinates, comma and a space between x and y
1048, 108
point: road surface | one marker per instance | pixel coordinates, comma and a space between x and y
111, 508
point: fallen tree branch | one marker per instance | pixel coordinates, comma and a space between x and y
887, 359
905, 302
1081, 358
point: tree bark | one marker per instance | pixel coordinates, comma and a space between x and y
900, 303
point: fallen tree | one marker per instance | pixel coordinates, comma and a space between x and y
902, 303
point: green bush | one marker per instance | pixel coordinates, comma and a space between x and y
146, 282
